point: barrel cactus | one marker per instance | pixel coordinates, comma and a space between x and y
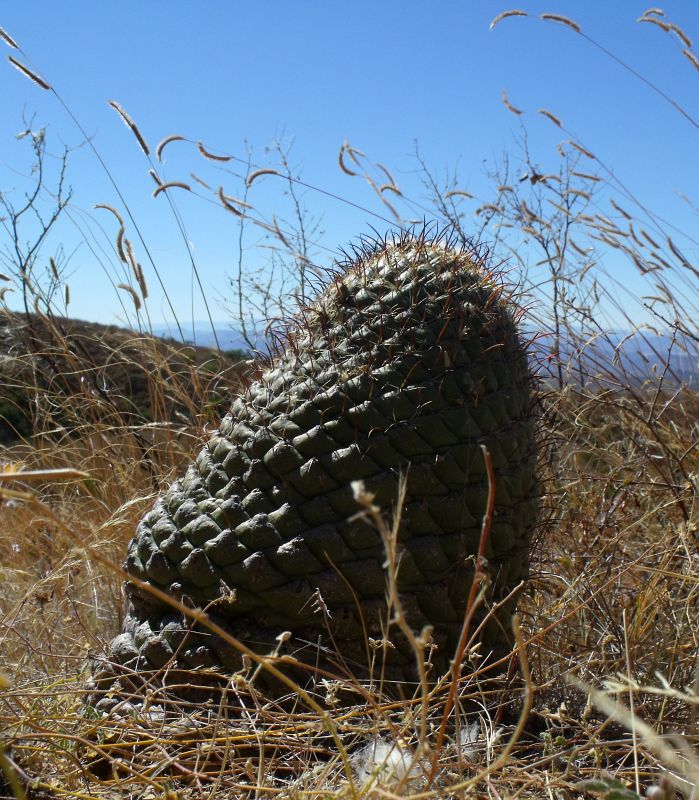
405, 364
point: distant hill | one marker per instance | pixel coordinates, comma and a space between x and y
638, 355
127, 377
201, 334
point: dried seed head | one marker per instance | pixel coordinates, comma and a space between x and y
691, 57
389, 187
199, 181
550, 116
649, 238
581, 149
5, 36
26, 71
134, 296
341, 162
681, 35
141, 281
120, 245
622, 211
505, 14
126, 119
562, 20
459, 193
228, 206
112, 210
207, 154
258, 173
130, 255
234, 200
171, 185
162, 144
509, 105
660, 23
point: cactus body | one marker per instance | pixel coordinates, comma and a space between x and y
403, 366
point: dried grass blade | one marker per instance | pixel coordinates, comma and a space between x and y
36, 475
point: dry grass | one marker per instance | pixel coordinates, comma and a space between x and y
608, 640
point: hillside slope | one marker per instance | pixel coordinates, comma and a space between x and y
44, 362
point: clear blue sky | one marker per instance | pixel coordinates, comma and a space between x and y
380, 74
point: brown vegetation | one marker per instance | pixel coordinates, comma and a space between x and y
606, 698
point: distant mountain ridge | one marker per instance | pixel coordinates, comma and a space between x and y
201, 334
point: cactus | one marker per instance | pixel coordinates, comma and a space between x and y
406, 363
